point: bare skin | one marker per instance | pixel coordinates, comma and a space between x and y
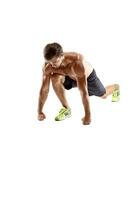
74, 66
43, 96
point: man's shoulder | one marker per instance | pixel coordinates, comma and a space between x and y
75, 56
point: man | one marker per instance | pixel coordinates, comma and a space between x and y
67, 70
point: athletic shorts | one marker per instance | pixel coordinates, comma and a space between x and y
95, 87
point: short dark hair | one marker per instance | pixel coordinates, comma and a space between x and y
52, 50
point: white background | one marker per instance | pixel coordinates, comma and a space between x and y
66, 160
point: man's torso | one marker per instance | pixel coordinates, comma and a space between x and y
70, 59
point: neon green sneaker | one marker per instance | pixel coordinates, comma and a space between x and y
116, 96
63, 114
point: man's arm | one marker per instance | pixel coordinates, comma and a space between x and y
49, 69
82, 85
43, 95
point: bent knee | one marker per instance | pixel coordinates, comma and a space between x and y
104, 96
54, 76
57, 78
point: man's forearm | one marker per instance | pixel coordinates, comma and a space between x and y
85, 99
43, 93
41, 102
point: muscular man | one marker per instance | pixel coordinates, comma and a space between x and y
67, 70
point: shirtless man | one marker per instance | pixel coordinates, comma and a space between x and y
68, 70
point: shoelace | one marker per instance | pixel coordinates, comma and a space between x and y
62, 110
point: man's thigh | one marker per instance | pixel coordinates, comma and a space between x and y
57, 78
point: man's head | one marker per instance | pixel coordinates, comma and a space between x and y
53, 53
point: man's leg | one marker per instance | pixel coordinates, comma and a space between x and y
57, 83
111, 89
95, 87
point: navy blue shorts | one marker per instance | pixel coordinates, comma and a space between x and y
95, 87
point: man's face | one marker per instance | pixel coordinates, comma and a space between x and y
56, 61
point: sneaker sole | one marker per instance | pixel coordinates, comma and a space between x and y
67, 116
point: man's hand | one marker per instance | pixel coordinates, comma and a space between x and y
41, 116
86, 120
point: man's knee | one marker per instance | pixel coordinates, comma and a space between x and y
56, 79
104, 96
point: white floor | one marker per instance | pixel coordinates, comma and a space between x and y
66, 160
